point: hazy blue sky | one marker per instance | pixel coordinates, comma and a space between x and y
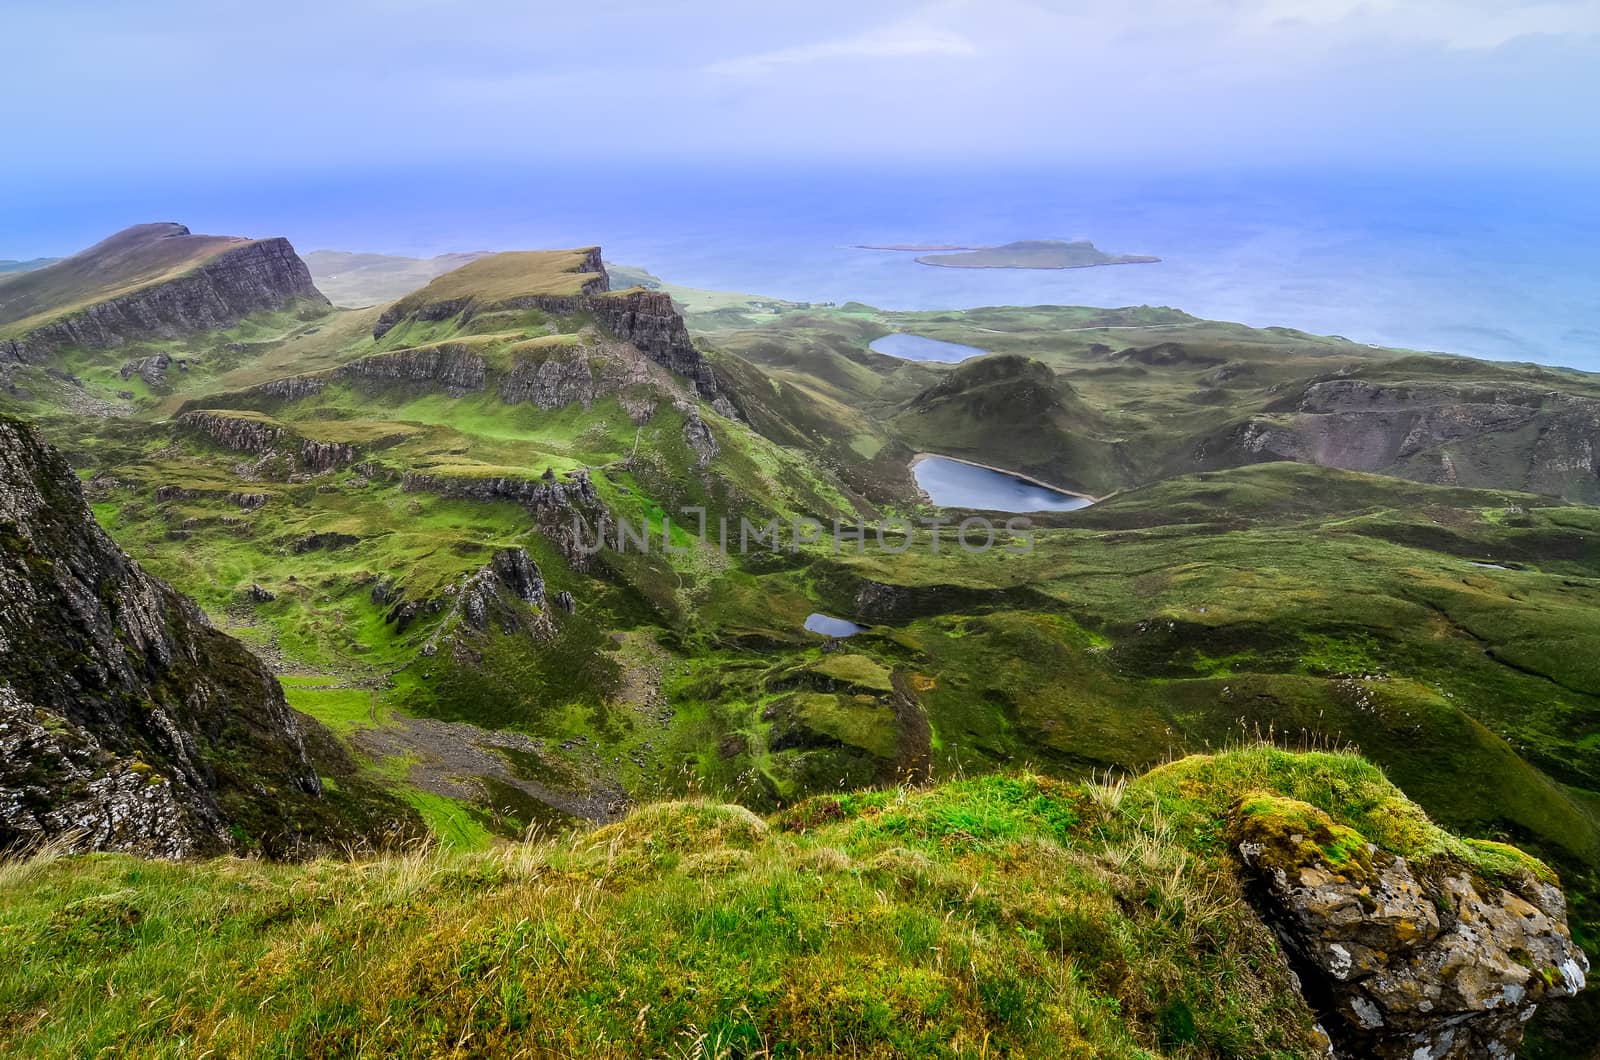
109, 88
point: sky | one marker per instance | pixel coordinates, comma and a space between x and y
108, 90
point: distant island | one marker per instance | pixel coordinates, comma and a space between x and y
1035, 254
1024, 254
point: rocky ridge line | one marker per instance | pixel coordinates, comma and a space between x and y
256, 276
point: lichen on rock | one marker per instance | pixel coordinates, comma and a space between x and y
1422, 958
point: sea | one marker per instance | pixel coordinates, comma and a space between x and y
1498, 265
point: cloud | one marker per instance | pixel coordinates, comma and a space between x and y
1462, 24
896, 42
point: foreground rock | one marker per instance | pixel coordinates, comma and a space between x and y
127, 722
1418, 961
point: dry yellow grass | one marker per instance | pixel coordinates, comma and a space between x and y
131, 260
508, 276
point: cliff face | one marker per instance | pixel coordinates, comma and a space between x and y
217, 293
451, 366
569, 511
126, 722
1507, 436
647, 319
267, 438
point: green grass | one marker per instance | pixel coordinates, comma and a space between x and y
341, 709
856, 670
458, 827
1013, 915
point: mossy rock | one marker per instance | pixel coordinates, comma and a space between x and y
1282, 834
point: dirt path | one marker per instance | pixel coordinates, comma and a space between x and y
454, 759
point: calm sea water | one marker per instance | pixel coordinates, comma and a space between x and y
1490, 265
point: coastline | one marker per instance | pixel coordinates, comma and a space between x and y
1041, 483
1035, 268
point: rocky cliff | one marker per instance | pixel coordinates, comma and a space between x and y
268, 439
1410, 959
229, 279
1491, 434
645, 318
566, 510
548, 374
126, 721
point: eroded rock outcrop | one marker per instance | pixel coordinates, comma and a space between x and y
645, 318
1417, 960
507, 593
126, 721
1506, 435
267, 438
452, 366
553, 377
567, 510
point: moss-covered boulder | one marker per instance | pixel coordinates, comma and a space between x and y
1446, 954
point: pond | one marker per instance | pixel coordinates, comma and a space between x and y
956, 484
829, 626
921, 348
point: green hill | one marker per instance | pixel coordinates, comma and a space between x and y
1008, 915
134, 259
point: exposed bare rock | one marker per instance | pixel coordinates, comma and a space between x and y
698, 435
126, 721
248, 276
153, 370
567, 510
450, 365
294, 387
325, 541
645, 318
1507, 435
75, 787
506, 594
552, 377
1404, 960
267, 438
649, 321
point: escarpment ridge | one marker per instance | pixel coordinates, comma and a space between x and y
155, 281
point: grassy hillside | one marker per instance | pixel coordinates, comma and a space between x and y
26, 266
136, 258
1007, 915
1155, 393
